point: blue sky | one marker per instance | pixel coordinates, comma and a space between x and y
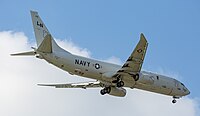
112, 28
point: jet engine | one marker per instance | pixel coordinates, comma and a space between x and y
119, 92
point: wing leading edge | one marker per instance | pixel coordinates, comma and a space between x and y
134, 63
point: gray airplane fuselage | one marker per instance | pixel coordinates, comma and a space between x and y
94, 69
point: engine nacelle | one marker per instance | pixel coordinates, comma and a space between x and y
146, 79
119, 92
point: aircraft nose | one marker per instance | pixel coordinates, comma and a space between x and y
188, 92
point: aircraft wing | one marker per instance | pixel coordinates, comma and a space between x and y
83, 85
134, 63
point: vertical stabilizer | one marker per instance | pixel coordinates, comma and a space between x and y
39, 28
45, 41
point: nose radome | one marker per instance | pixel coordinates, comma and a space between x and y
188, 92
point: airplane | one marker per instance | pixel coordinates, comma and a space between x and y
112, 78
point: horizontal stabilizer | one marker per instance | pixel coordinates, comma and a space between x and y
31, 53
47, 85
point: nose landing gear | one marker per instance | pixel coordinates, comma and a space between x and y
174, 99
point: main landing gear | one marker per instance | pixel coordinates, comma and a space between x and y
119, 82
106, 90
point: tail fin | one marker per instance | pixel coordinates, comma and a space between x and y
45, 41
39, 28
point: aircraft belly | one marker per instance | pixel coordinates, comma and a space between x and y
59, 62
155, 89
93, 76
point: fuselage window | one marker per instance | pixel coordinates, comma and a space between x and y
157, 77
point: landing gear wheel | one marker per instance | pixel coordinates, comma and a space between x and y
115, 81
106, 90
102, 92
136, 77
120, 84
173, 101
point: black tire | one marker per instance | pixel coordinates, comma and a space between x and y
120, 84
108, 90
102, 92
174, 101
105, 90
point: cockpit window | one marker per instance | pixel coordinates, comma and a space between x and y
182, 84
